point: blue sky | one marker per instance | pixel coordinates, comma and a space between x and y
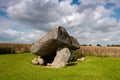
90, 21
116, 14
3, 12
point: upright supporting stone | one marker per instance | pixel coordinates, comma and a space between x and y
61, 58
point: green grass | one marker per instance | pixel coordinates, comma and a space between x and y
19, 67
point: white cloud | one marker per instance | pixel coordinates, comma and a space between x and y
10, 35
101, 12
34, 11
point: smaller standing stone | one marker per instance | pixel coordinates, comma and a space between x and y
40, 60
35, 61
81, 59
62, 57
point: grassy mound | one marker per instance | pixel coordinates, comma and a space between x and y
19, 67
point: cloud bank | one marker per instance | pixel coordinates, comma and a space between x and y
91, 22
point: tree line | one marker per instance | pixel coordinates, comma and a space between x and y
114, 45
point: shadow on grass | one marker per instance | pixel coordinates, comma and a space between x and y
71, 64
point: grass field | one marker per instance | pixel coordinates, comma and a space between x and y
19, 67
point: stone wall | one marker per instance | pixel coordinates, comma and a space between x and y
18, 48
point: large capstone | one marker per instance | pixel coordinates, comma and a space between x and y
47, 46
58, 37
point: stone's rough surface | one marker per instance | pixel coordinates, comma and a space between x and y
35, 61
40, 60
57, 37
81, 59
75, 43
61, 58
55, 48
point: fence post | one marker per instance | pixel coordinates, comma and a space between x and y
12, 48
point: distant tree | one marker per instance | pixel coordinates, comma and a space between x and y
99, 45
84, 44
115, 45
90, 44
108, 45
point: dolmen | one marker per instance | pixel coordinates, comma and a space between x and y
55, 48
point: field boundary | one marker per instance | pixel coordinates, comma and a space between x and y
100, 51
18, 48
